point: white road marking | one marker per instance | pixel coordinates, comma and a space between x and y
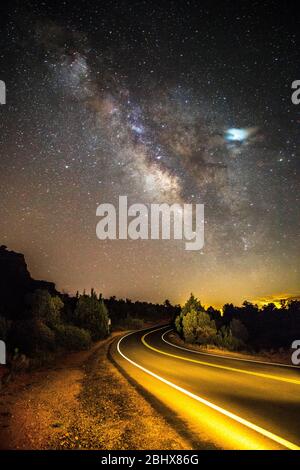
229, 414
225, 357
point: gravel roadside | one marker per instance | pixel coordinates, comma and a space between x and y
83, 402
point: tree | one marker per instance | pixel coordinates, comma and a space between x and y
198, 327
46, 308
250, 308
92, 315
31, 336
178, 324
214, 314
191, 304
239, 331
229, 311
269, 308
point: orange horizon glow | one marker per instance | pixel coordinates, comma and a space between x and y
276, 299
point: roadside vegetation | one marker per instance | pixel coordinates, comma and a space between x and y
50, 325
38, 323
240, 328
54, 324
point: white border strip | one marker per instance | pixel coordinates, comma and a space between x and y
220, 356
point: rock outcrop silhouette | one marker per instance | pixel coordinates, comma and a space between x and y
16, 283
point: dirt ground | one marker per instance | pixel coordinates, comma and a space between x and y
83, 402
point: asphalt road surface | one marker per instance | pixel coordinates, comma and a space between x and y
219, 403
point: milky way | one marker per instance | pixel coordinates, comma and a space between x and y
151, 102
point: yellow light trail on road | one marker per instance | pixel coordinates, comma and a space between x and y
218, 366
279, 440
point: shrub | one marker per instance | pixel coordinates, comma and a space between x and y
226, 340
31, 336
44, 337
72, 338
132, 323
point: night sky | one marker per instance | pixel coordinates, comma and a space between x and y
175, 103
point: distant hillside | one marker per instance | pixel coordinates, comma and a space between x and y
15, 283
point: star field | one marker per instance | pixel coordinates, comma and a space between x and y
176, 103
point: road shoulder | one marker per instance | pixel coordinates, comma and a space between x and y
83, 402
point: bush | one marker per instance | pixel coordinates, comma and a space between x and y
72, 338
226, 340
31, 336
132, 323
43, 336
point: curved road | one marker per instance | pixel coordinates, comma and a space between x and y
222, 403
